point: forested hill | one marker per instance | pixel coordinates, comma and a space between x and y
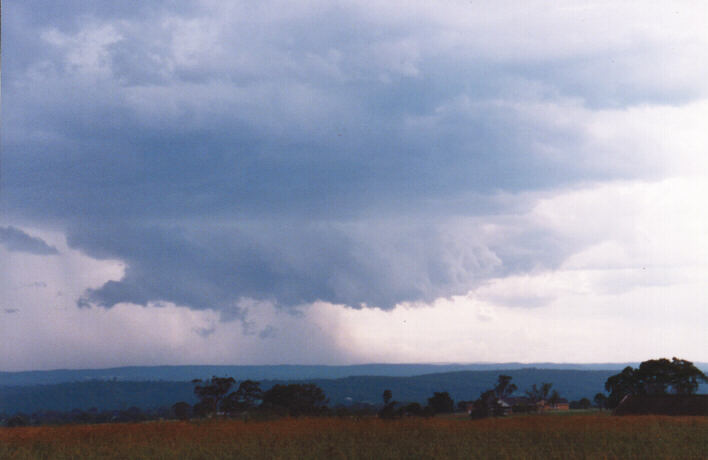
462, 385
276, 372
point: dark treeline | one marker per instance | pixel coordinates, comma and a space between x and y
225, 397
527, 390
93, 415
366, 390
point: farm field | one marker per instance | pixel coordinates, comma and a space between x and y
547, 437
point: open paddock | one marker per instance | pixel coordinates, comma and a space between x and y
518, 437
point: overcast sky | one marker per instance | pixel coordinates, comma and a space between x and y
334, 182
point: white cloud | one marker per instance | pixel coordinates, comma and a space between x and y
634, 289
576, 327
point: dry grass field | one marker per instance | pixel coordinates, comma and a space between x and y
543, 437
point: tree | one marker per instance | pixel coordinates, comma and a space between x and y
584, 403
554, 398
600, 400
211, 392
486, 405
504, 388
620, 385
17, 420
538, 394
686, 377
296, 399
441, 402
491, 402
181, 410
388, 410
462, 405
244, 398
413, 409
655, 377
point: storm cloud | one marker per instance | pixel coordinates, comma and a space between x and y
15, 239
357, 153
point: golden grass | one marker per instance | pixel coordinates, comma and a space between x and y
542, 437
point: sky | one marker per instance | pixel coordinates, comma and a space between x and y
340, 182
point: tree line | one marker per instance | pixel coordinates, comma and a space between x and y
219, 396
222, 396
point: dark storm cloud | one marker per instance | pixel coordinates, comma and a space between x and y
15, 239
374, 263
306, 153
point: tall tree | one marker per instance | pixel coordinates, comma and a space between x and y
441, 402
538, 394
487, 405
296, 399
584, 403
554, 398
504, 388
600, 400
211, 393
248, 393
388, 410
655, 376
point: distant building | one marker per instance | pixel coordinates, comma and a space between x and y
504, 407
499, 407
561, 404
663, 405
523, 404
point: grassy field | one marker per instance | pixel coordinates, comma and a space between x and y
546, 437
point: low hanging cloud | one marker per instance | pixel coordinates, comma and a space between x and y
15, 239
374, 264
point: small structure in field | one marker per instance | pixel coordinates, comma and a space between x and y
561, 404
504, 407
523, 404
663, 405
496, 407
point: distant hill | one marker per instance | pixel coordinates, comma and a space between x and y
275, 372
153, 387
462, 385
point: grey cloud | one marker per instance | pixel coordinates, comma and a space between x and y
37, 284
289, 155
205, 331
10, 311
15, 239
373, 263
268, 332
519, 301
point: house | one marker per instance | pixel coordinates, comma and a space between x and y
504, 407
522, 404
663, 405
561, 404
496, 407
